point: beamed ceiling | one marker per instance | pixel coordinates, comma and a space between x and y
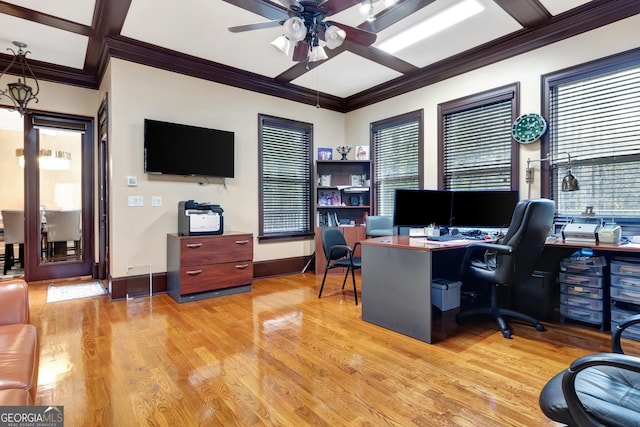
71, 42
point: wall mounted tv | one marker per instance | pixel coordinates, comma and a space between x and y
177, 149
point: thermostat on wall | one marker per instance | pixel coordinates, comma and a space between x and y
132, 181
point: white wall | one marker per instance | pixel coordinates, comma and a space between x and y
526, 69
138, 234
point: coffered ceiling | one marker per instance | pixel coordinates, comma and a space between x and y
70, 42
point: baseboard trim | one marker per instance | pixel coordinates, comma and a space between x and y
121, 287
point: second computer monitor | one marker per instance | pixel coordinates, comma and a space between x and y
479, 209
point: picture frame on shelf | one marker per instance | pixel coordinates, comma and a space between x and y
362, 152
325, 153
356, 181
329, 198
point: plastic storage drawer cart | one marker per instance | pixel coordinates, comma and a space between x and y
582, 290
625, 293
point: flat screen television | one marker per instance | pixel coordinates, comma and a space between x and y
483, 208
177, 149
421, 208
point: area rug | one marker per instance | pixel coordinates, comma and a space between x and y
69, 292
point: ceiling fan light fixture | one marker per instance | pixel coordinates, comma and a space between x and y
282, 43
334, 36
317, 53
294, 29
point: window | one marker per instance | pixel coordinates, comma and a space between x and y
397, 157
594, 116
285, 178
475, 144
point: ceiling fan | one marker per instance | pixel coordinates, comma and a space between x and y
304, 25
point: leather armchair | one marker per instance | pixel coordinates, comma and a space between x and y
597, 390
19, 351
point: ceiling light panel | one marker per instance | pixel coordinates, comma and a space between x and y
45, 43
458, 38
80, 11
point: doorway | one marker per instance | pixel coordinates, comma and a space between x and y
53, 186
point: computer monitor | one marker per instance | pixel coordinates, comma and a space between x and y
421, 208
477, 209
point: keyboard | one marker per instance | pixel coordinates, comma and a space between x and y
445, 238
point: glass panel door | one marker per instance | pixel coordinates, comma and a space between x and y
60, 192
59, 196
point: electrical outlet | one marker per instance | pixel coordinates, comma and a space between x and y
156, 201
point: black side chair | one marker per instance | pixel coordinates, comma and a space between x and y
598, 389
339, 254
512, 260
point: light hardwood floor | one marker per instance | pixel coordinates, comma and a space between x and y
280, 356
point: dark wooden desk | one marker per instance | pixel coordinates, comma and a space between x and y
396, 283
605, 247
397, 272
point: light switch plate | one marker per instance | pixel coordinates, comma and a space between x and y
156, 201
132, 181
135, 201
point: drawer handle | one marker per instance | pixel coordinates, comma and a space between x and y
242, 242
194, 245
194, 272
241, 266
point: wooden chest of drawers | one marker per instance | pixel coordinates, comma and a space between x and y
201, 267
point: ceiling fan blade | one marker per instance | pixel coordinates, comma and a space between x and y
301, 51
336, 6
257, 26
356, 35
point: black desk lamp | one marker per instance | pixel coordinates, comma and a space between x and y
569, 182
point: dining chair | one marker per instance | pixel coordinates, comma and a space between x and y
63, 227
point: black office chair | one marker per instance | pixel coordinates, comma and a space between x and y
598, 389
512, 260
339, 254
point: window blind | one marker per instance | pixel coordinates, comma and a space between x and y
477, 148
597, 121
396, 147
285, 193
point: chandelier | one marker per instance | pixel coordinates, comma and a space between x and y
20, 93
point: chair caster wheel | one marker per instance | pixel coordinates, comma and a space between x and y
506, 334
540, 327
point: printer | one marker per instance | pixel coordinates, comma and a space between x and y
199, 219
581, 232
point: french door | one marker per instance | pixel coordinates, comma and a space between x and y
59, 208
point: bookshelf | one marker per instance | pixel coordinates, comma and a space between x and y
342, 192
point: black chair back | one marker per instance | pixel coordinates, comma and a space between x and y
530, 224
332, 236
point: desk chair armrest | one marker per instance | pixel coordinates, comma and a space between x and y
482, 246
576, 408
616, 334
